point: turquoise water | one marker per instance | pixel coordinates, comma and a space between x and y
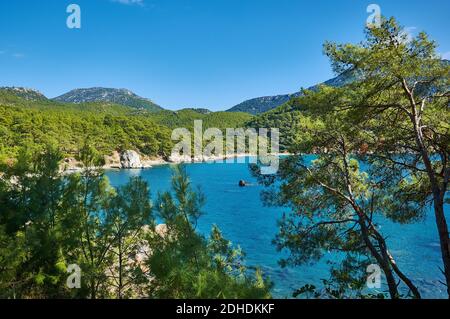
244, 220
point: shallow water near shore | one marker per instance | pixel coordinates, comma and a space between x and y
243, 219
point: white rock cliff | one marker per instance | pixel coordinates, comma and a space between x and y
130, 159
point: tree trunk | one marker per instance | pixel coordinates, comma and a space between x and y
392, 284
402, 276
383, 263
443, 237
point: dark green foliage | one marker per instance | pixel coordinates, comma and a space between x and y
31, 205
49, 221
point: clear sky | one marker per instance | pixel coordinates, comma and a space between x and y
191, 53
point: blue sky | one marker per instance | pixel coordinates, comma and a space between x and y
191, 53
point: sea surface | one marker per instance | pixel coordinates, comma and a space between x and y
245, 221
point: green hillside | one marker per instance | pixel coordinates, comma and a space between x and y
34, 123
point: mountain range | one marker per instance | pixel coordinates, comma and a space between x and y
127, 98
117, 96
266, 103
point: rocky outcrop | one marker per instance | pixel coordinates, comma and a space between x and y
125, 160
113, 160
130, 159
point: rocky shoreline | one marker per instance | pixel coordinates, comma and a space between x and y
131, 159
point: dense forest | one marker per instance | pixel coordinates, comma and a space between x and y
35, 122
